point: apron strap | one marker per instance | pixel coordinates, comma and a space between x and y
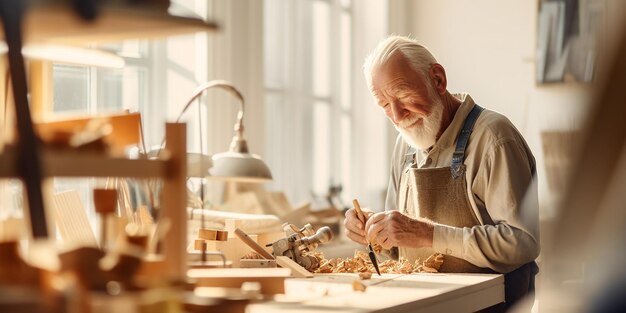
459, 152
409, 158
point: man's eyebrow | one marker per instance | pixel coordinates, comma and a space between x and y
401, 87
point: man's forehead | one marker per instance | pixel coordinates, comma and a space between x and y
396, 70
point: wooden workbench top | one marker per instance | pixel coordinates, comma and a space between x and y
391, 292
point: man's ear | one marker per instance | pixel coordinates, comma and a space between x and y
438, 77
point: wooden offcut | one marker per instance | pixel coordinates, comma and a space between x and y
296, 269
252, 244
125, 128
212, 234
105, 200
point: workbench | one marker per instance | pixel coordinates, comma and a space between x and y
420, 292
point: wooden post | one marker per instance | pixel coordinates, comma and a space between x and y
105, 201
41, 88
174, 201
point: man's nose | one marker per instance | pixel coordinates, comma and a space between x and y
398, 113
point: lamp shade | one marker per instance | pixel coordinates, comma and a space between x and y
240, 167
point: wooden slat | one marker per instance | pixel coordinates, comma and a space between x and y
60, 24
73, 164
72, 220
296, 269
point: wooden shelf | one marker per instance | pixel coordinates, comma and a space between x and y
75, 164
60, 24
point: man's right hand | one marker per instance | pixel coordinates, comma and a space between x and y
355, 229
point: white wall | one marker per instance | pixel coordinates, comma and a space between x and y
487, 48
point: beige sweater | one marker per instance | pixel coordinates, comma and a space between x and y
500, 170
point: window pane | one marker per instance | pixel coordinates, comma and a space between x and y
121, 89
109, 89
278, 140
128, 48
321, 48
70, 88
134, 88
346, 157
321, 147
275, 31
346, 68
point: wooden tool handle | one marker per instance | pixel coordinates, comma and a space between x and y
359, 213
252, 244
361, 216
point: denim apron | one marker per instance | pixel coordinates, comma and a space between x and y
440, 195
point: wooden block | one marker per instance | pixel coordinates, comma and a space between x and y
151, 267
197, 244
105, 200
272, 280
257, 263
212, 234
296, 269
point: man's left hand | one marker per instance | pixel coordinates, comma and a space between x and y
394, 229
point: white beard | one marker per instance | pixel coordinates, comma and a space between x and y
422, 136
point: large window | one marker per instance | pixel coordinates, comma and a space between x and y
308, 64
87, 90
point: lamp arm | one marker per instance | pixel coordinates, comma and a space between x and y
239, 143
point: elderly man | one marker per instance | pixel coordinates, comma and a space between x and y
461, 176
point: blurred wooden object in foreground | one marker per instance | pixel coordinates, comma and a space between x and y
114, 131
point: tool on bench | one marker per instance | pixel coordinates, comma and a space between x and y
361, 216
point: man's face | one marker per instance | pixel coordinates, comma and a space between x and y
409, 100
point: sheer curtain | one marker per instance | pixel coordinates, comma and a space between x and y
322, 129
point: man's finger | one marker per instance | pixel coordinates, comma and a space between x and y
356, 237
354, 225
352, 216
374, 218
374, 230
386, 244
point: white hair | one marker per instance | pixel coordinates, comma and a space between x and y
418, 56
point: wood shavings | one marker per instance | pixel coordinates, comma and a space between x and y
361, 263
252, 255
365, 275
357, 285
